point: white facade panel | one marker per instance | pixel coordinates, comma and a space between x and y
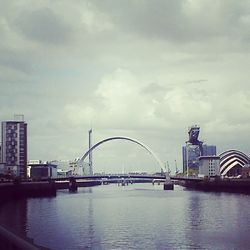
209, 166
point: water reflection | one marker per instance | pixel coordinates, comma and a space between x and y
194, 215
217, 219
91, 240
133, 217
13, 215
195, 212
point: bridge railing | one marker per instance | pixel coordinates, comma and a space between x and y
110, 176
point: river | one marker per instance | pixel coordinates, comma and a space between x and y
138, 216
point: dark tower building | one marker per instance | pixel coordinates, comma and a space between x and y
194, 149
14, 147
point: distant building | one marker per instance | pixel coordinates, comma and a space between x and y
194, 153
245, 171
62, 165
2, 169
80, 167
209, 150
209, 166
64, 173
192, 150
14, 147
63, 168
40, 170
232, 162
72, 168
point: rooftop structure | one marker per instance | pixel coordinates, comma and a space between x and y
193, 133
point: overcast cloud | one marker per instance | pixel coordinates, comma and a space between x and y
145, 69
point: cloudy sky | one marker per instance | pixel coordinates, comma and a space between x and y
143, 69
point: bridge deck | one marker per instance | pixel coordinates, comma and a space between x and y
113, 176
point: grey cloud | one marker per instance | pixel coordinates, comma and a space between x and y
154, 92
142, 16
197, 81
15, 60
152, 88
179, 21
44, 26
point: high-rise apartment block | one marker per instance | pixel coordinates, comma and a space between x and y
14, 147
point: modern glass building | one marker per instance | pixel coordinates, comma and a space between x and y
194, 154
209, 150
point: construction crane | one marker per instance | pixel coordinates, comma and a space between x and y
167, 169
176, 168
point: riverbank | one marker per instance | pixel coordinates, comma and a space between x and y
12, 190
219, 185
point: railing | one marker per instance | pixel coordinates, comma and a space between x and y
187, 178
110, 176
10, 241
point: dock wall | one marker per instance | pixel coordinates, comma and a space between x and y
10, 190
225, 185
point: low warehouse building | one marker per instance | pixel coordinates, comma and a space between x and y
41, 170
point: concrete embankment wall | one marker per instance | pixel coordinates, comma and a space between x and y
11, 190
225, 185
26, 189
85, 183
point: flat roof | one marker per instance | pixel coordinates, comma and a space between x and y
209, 157
42, 165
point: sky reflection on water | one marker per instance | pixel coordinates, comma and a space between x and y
139, 216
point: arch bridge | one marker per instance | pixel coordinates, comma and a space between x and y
150, 151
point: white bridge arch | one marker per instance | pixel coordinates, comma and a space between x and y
159, 162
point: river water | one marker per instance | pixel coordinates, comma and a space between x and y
138, 216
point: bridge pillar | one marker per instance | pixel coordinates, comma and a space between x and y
72, 184
168, 185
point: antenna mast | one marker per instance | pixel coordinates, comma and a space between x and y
90, 153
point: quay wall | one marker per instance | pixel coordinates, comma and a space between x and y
84, 183
26, 189
219, 185
12, 190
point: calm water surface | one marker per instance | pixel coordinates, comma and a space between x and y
139, 216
